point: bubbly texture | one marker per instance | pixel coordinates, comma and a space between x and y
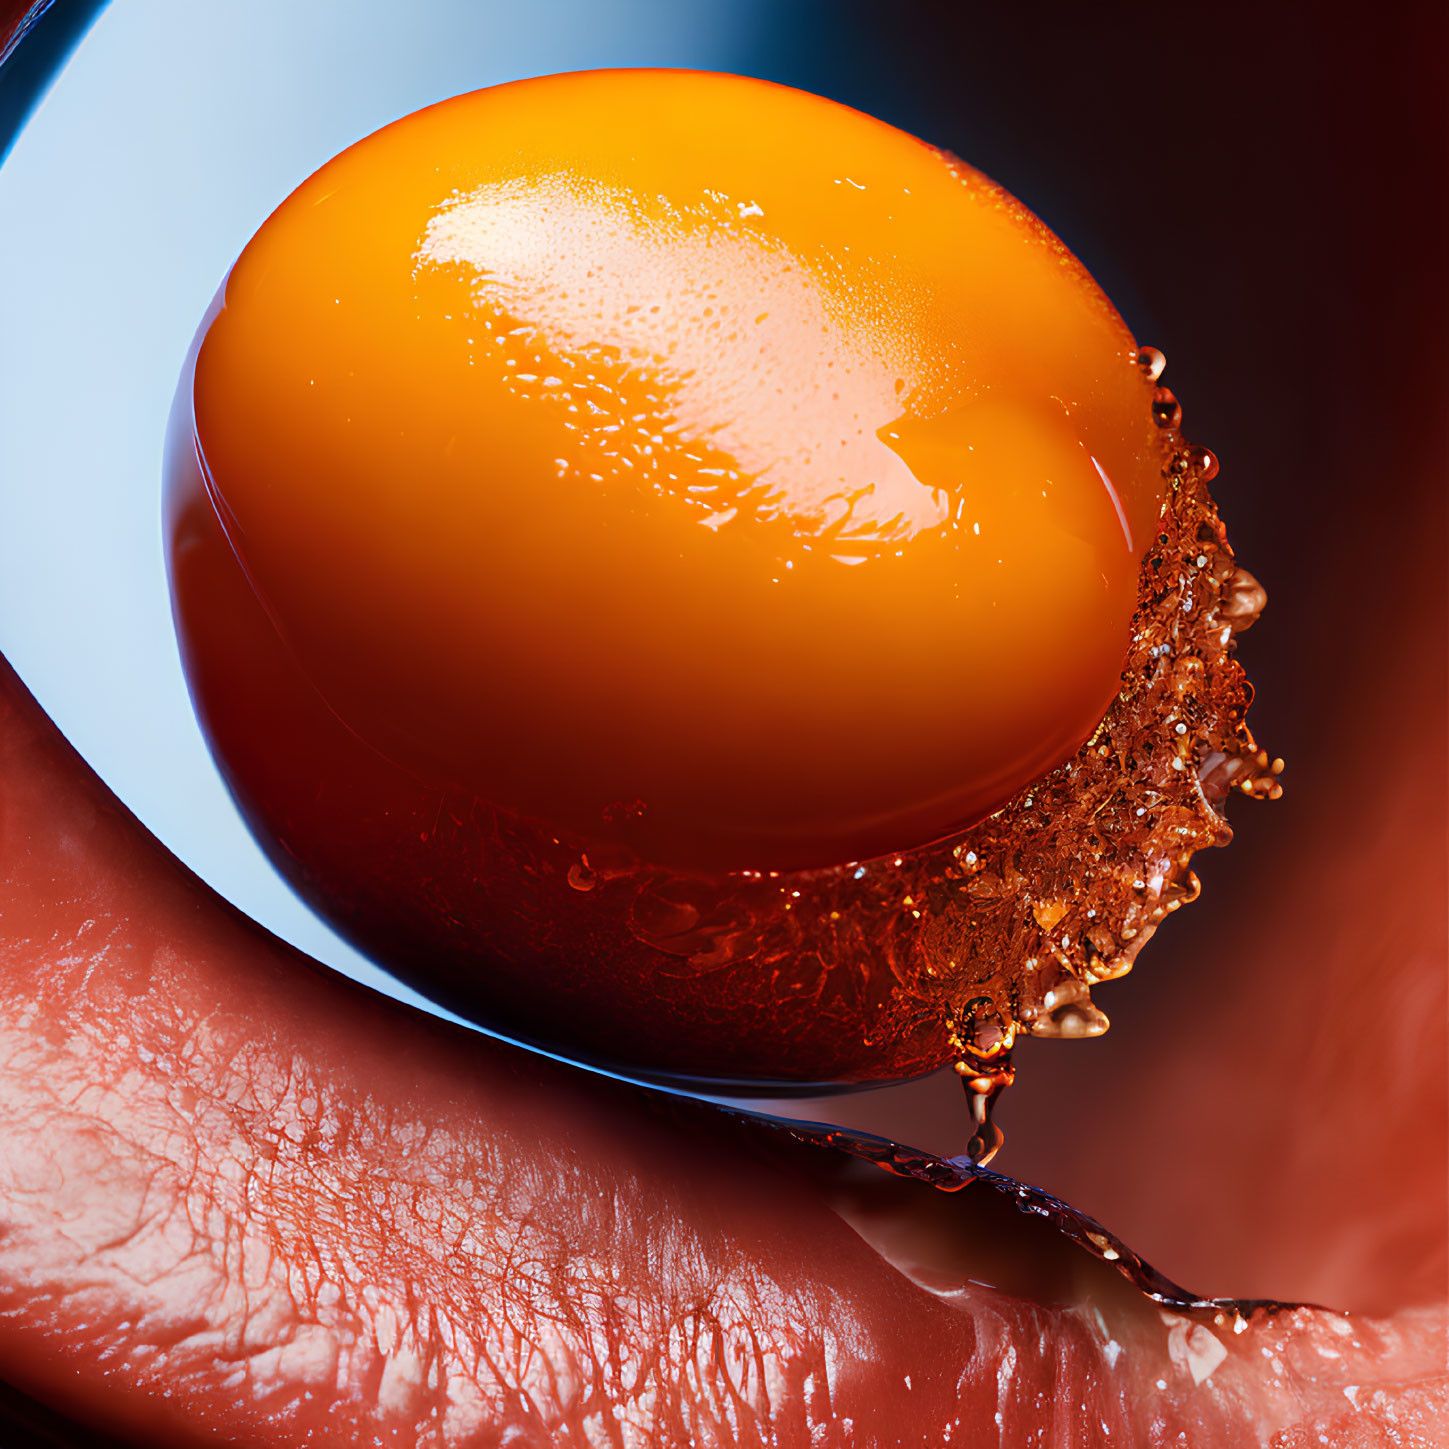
686, 463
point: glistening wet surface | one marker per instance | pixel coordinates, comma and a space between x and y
1361, 1410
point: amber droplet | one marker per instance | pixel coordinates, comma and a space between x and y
1203, 462
1261, 782
1152, 362
1166, 410
981, 1094
1243, 599
986, 1141
1068, 1013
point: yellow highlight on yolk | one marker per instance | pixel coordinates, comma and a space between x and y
684, 461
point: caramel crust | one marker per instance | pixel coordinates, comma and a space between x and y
1003, 928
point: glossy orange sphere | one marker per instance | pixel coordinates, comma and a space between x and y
686, 460
694, 474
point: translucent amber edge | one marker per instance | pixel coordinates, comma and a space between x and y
950, 951
1063, 887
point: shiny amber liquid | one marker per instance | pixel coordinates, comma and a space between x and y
610, 509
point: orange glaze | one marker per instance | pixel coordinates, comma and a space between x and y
695, 467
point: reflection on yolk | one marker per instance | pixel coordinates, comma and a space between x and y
683, 462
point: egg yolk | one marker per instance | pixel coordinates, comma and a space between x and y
683, 462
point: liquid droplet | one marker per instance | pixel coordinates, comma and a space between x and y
1204, 462
1073, 1022
1067, 1013
982, 1090
985, 1143
1166, 410
1261, 782
1243, 599
581, 876
1152, 362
